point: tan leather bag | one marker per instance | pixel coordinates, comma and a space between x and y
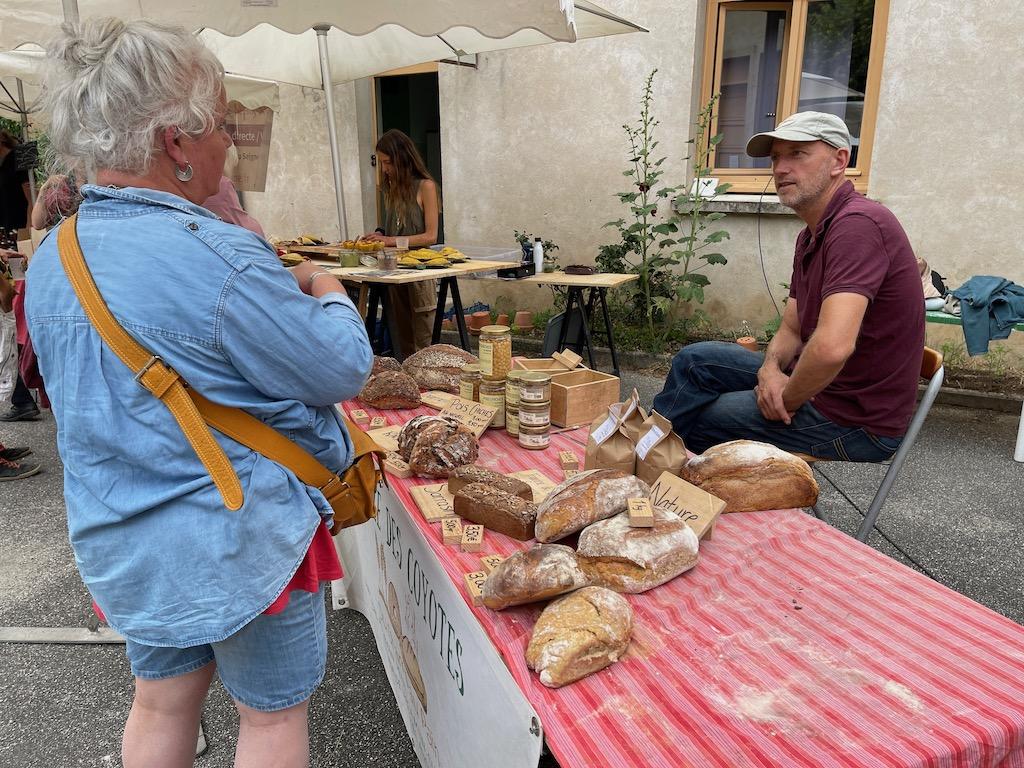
351, 496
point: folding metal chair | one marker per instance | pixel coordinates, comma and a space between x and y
933, 372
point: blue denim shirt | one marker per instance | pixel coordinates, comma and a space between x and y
162, 556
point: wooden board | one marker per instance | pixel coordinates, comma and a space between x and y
434, 501
698, 508
403, 276
601, 280
541, 484
435, 398
386, 437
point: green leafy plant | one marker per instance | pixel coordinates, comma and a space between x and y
668, 250
550, 257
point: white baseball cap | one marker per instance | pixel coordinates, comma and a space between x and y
803, 126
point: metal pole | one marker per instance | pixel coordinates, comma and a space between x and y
24, 136
332, 131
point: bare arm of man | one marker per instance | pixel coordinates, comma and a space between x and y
828, 349
771, 380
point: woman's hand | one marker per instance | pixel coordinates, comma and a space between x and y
377, 237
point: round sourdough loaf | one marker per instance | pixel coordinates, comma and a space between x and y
615, 555
750, 476
584, 499
391, 390
438, 367
538, 573
578, 635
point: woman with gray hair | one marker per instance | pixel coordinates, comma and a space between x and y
190, 584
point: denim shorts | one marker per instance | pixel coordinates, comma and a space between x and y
273, 662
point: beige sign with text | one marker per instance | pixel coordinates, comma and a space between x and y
473, 416
250, 131
698, 508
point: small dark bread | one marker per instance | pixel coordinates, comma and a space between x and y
496, 510
391, 390
463, 476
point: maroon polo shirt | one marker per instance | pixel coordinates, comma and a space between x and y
860, 247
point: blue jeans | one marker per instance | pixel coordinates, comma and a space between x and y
709, 398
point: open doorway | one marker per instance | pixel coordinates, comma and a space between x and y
407, 99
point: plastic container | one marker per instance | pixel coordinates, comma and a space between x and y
538, 256
534, 438
534, 387
469, 383
535, 414
492, 393
495, 352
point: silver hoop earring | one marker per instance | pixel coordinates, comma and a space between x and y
184, 174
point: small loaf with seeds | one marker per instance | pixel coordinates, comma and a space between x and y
496, 510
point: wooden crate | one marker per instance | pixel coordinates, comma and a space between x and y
546, 364
580, 396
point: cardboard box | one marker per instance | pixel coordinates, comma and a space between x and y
580, 396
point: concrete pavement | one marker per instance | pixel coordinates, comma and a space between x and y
956, 511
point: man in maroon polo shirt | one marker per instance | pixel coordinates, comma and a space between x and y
839, 379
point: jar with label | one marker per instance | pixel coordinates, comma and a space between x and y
492, 393
469, 383
512, 420
534, 438
512, 382
535, 414
495, 352
534, 387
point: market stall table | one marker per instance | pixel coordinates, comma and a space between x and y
790, 644
597, 286
380, 280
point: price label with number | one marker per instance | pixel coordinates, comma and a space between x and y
475, 417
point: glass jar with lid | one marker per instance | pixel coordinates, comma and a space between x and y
492, 393
534, 387
512, 382
469, 382
534, 438
512, 419
495, 352
535, 414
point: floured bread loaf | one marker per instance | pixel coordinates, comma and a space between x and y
390, 390
750, 476
495, 509
435, 445
612, 554
381, 364
463, 476
438, 367
584, 499
578, 635
538, 573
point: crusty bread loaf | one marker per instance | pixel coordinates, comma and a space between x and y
496, 509
750, 476
472, 473
391, 390
438, 367
538, 573
579, 634
435, 445
381, 364
584, 499
615, 555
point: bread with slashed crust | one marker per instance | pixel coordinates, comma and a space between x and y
539, 573
750, 476
584, 499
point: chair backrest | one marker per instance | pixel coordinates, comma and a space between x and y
930, 363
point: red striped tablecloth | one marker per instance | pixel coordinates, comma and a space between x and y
790, 644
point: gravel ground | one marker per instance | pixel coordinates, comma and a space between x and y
956, 512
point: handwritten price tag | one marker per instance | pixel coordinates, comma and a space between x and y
434, 501
697, 508
538, 481
386, 438
475, 417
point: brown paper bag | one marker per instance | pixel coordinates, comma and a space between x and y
608, 447
659, 449
633, 417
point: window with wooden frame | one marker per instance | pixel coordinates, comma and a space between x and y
771, 59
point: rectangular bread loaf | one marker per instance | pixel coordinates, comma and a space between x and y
471, 473
497, 510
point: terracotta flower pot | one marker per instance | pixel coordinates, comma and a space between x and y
477, 321
502, 319
524, 320
748, 342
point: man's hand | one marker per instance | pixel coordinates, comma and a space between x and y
771, 382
